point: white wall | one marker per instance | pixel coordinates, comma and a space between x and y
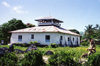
40, 37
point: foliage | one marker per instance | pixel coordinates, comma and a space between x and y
62, 58
9, 59
32, 58
94, 60
75, 31
60, 53
85, 43
30, 25
54, 45
10, 26
92, 32
33, 42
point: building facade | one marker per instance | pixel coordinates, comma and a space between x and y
48, 31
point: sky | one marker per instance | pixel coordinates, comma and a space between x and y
76, 14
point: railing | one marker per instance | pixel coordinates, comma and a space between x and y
49, 24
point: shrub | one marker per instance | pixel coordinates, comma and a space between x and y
9, 59
62, 59
94, 60
33, 42
54, 45
32, 58
85, 43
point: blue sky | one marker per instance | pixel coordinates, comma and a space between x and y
76, 14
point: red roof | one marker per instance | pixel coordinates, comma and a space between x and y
45, 29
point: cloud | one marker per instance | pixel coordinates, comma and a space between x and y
5, 4
18, 9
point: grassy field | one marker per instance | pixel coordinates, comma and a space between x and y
75, 52
81, 49
78, 50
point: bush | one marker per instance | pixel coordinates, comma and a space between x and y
9, 59
62, 59
32, 58
21, 44
85, 43
94, 60
54, 45
33, 42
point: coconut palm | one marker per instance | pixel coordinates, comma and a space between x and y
89, 31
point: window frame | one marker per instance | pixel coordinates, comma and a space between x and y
47, 38
19, 37
32, 36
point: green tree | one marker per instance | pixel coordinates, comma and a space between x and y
11, 25
92, 32
75, 31
30, 25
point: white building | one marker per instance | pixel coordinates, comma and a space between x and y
48, 31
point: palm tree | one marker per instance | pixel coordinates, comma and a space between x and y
92, 32
89, 31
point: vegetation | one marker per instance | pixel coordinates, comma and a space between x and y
54, 45
92, 32
62, 56
33, 58
94, 60
33, 42
11, 25
8, 59
75, 31
30, 25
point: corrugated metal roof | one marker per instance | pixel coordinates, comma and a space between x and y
45, 29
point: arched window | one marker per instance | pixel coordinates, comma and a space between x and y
61, 38
68, 39
73, 38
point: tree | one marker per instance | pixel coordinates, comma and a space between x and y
75, 31
92, 32
30, 25
11, 25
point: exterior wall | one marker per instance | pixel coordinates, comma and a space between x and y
40, 37
65, 39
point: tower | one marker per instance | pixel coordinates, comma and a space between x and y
49, 21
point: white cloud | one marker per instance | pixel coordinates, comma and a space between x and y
18, 9
5, 4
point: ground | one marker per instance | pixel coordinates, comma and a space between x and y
77, 50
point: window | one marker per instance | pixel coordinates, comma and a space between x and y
61, 38
73, 39
20, 38
47, 38
68, 39
32, 36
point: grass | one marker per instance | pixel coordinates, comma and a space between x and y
78, 50
82, 49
